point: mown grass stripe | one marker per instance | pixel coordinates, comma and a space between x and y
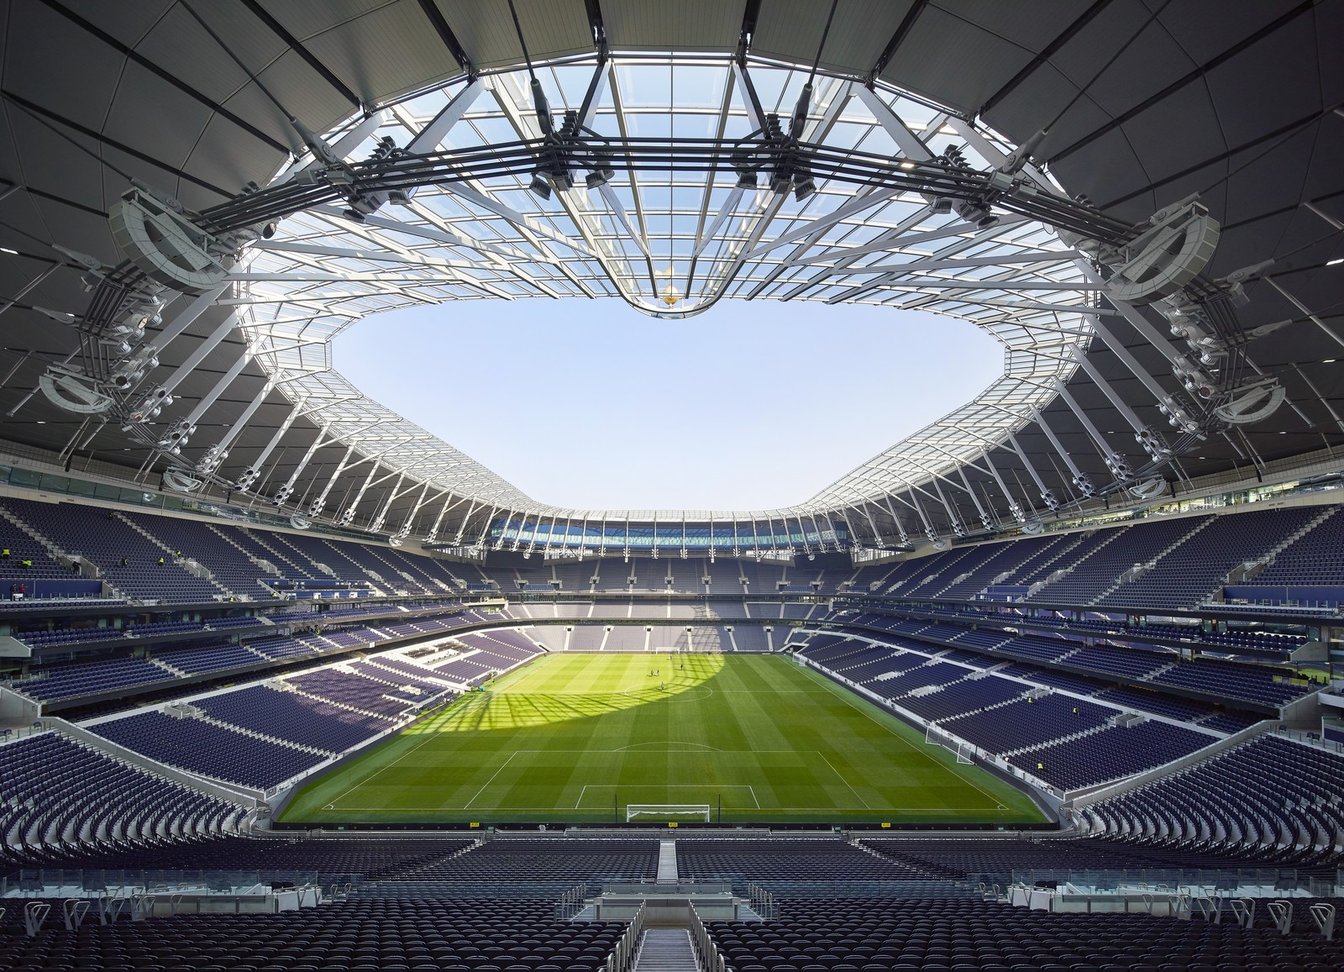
701, 728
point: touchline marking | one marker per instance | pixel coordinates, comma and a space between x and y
842, 779
429, 737
492, 779
840, 694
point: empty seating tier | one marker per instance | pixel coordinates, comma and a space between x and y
950, 933
59, 797
1272, 799
212, 750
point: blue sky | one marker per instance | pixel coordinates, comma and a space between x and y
752, 405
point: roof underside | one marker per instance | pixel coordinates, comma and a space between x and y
1143, 103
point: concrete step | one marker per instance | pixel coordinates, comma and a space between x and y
666, 950
667, 861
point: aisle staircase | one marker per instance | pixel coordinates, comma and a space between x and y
667, 862
666, 950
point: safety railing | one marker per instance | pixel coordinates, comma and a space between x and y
571, 902
762, 901
622, 957
92, 882
1321, 913
708, 954
1227, 882
684, 886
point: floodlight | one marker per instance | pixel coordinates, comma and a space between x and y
780, 182
601, 174
977, 214
539, 186
803, 186
746, 179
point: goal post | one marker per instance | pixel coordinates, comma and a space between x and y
667, 811
962, 749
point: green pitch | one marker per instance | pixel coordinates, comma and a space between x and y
577, 737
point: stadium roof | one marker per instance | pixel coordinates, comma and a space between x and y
1142, 104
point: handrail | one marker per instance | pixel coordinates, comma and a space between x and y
1281, 913
708, 954
1208, 908
1323, 914
571, 902
34, 914
1243, 909
623, 955
762, 900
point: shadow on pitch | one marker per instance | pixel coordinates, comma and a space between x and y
681, 678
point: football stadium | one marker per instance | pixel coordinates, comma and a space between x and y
937, 424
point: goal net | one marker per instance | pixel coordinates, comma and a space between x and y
963, 750
667, 811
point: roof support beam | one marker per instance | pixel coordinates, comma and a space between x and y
236, 427
210, 397
199, 353
178, 83
1196, 74
892, 45
294, 44
102, 139
450, 41
431, 137
316, 507
1047, 52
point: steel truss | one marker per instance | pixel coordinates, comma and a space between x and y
989, 239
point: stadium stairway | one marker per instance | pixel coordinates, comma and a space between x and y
666, 950
667, 862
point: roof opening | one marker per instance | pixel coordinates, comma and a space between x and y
590, 404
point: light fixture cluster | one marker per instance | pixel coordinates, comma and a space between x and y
572, 147
778, 155
246, 478
364, 204
975, 211
176, 436
151, 406
211, 460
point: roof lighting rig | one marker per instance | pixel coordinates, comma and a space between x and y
172, 251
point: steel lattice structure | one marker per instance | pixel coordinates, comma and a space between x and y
673, 182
